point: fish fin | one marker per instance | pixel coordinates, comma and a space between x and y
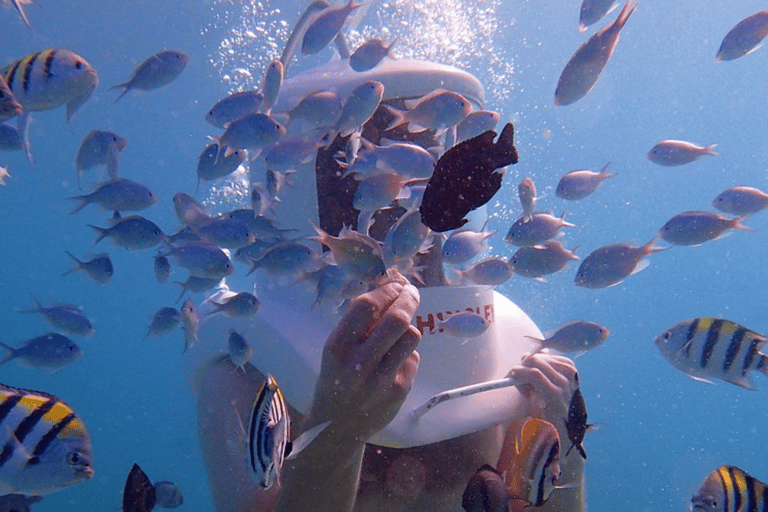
744, 382
18, 6
85, 200
700, 379
624, 15
399, 117
12, 352
78, 264
113, 162
540, 279
708, 150
641, 265
305, 439
77, 102
754, 49
736, 224
126, 87
101, 233
23, 124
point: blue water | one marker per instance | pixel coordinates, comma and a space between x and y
659, 432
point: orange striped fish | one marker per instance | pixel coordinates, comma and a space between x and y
730, 489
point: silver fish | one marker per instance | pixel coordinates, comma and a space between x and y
119, 195
580, 183
697, 227
99, 268
3, 175
476, 122
287, 153
285, 259
191, 320
592, 11
540, 260
234, 106
239, 350
744, 38
538, 229
369, 54
741, 200
437, 110
464, 325
490, 271
225, 232
49, 448
320, 108
162, 268
99, 148
195, 284
407, 236
163, 322
209, 168
156, 71
359, 106
252, 131
241, 305
585, 66
189, 211
360, 256
526, 191
63, 316
464, 244
611, 264
576, 337
270, 87
134, 232
325, 27
201, 259
715, 348
51, 352
670, 153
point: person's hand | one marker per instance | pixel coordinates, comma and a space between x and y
369, 363
548, 382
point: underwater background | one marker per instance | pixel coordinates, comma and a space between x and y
659, 433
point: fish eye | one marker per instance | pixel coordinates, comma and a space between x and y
2, 94
74, 459
78, 64
667, 335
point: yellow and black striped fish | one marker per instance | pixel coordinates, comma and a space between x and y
9, 107
45, 446
51, 78
730, 489
707, 348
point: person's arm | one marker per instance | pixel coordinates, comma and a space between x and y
367, 370
548, 382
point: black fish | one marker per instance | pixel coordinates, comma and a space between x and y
139, 493
576, 423
485, 492
465, 178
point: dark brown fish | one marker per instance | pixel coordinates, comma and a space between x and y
485, 492
576, 423
465, 178
139, 493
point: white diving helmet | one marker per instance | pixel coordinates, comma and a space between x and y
287, 334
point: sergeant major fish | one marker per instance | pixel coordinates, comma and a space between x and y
156, 71
51, 352
47, 445
706, 348
584, 67
744, 38
730, 489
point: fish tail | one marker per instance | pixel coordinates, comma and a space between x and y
399, 117
649, 248
11, 353
101, 233
625, 13
736, 224
762, 365
126, 87
78, 264
84, 200
709, 150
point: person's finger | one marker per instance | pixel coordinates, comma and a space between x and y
395, 321
356, 323
393, 360
559, 369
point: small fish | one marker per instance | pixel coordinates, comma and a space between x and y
138, 493
611, 264
264, 228
163, 322
10, 140
168, 495
539, 228
741, 201
252, 131
19, 6
580, 183
359, 107
66, 317
466, 178
3, 175
50, 352
730, 489
99, 268
119, 195
325, 27
697, 227
489, 272
744, 38
276, 181
134, 232
240, 305
47, 445
319, 108
526, 190
285, 259
464, 325
158, 70
270, 87
99, 148
540, 260
537, 462
576, 423
234, 106
208, 168
437, 110
189, 211
404, 158
476, 122
592, 11
670, 153
18, 502
585, 66
464, 244
359, 255
379, 190
225, 232
162, 268
706, 348
201, 259
190, 321
254, 251
287, 153
195, 284
407, 236
577, 336
267, 437
486, 491
9, 106
369, 54
239, 350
